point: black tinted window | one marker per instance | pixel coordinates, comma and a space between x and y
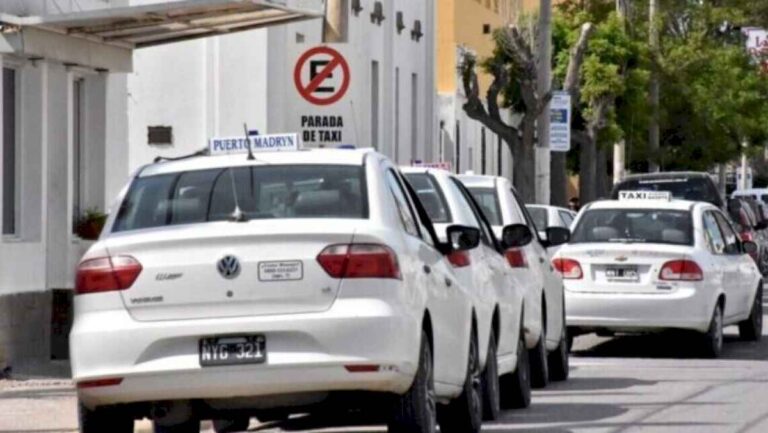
259, 192
431, 196
635, 226
540, 217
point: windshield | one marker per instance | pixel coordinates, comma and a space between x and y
690, 188
431, 196
488, 201
317, 191
539, 216
653, 226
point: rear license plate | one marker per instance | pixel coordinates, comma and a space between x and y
281, 271
626, 274
234, 350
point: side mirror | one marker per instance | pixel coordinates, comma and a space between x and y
516, 236
463, 238
558, 236
750, 247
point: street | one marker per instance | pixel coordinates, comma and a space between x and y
623, 384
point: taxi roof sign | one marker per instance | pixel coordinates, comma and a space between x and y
645, 195
440, 165
258, 143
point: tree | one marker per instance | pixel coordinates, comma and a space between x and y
514, 87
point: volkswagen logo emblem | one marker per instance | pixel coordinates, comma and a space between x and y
229, 267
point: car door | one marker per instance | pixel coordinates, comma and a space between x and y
445, 301
736, 281
716, 269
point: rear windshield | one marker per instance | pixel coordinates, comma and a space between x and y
431, 197
266, 192
539, 216
652, 226
488, 201
686, 188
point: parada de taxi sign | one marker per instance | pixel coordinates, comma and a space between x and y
258, 143
645, 195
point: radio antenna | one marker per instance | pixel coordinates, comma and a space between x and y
248, 140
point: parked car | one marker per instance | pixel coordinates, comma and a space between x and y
649, 265
498, 290
750, 228
759, 194
693, 186
224, 287
550, 216
544, 310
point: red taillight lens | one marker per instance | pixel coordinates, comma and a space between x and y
516, 258
569, 269
100, 383
106, 274
747, 237
459, 259
681, 270
359, 261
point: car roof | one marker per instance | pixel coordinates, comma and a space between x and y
544, 206
476, 180
679, 205
352, 157
408, 169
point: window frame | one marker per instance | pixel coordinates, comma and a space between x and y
389, 171
710, 242
486, 229
725, 226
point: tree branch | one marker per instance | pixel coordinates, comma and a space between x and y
573, 75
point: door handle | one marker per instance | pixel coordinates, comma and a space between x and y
542, 260
448, 282
427, 269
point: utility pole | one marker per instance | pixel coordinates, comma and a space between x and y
620, 148
653, 133
544, 84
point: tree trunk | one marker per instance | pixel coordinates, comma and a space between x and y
601, 174
588, 178
524, 176
558, 179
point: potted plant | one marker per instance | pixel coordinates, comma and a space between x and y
89, 226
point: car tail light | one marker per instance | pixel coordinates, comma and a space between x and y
367, 368
747, 237
516, 258
459, 259
681, 270
100, 383
359, 261
106, 274
569, 269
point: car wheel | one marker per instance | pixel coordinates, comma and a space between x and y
751, 329
538, 359
233, 425
465, 413
101, 420
491, 397
516, 386
559, 365
416, 410
191, 426
713, 339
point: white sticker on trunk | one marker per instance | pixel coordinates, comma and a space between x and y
281, 271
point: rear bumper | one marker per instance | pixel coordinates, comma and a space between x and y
306, 353
686, 308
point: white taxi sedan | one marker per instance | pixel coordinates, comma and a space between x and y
639, 265
225, 287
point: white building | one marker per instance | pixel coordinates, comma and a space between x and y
212, 87
64, 131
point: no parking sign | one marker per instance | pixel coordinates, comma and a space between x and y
322, 76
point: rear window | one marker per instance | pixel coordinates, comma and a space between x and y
685, 188
431, 196
540, 217
635, 226
488, 201
265, 192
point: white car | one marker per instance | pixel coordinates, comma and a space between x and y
498, 293
544, 309
639, 265
550, 216
225, 287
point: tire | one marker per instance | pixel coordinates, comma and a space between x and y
539, 365
559, 365
751, 329
465, 413
191, 426
101, 420
416, 410
516, 387
491, 385
712, 345
233, 425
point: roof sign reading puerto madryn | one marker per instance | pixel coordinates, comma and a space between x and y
258, 143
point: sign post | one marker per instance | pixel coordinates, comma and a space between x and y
560, 122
